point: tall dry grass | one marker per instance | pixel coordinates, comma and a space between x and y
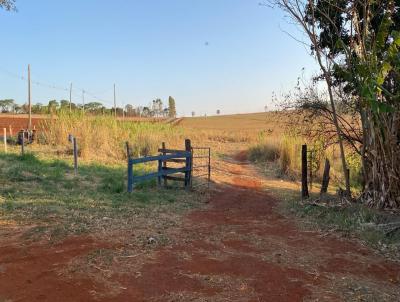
104, 137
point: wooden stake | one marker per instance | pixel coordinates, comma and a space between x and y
164, 163
325, 177
23, 143
5, 139
304, 183
75, 156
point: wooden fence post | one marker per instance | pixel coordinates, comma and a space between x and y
23, 142
304, 183
188, 148
160, 169
130, 176
128, 150
164, 166
5, 139
325, 177
75, 156
130, 168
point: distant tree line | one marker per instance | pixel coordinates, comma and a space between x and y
155, 109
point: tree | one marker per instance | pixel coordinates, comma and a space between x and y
119, 111
7, 105
130, 111
64, 105
296, 9
171, 107
94, 107
146, 112
157, 107
357, 45
8, 5
38, 108
193, 114
218, 112
52, 107
17, 108
165, 112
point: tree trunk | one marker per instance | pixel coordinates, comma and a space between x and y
336, 123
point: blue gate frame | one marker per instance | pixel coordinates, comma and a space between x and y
163, 172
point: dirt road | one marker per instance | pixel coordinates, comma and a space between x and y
237, 249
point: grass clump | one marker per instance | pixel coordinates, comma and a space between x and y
284, 151
262, 153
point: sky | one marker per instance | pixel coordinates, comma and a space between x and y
229, 55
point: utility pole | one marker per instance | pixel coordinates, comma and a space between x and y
115, 104
83, 101
29, 97
70, 98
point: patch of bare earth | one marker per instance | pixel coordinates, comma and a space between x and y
238, 248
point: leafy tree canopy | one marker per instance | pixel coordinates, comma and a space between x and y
8, 5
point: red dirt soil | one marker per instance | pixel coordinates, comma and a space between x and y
17, 122
238, 249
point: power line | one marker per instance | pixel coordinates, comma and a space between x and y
76, 91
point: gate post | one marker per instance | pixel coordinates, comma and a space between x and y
164, 165
160, 173
188, 172
130, 176
130, 168
304, 184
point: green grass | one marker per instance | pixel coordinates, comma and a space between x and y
46, 193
